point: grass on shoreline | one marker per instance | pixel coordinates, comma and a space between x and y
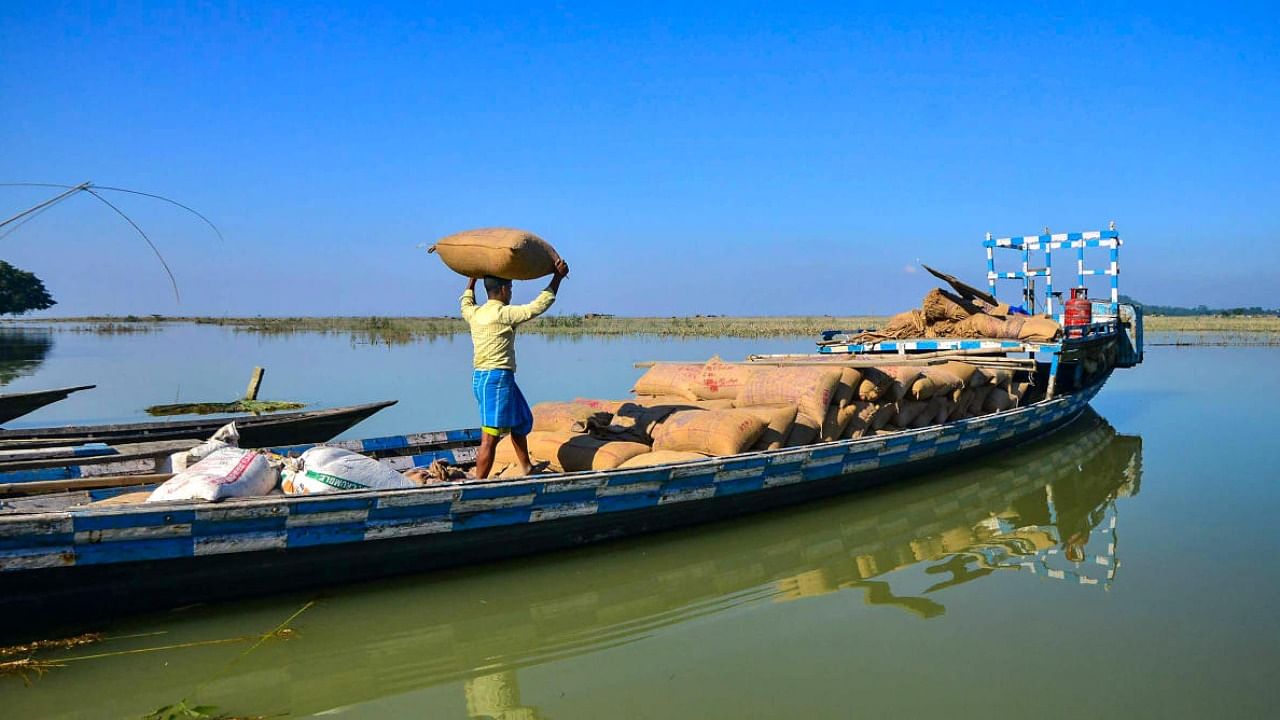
394, 330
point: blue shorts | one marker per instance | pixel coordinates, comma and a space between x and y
502, 405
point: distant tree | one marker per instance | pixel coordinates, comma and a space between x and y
21, 291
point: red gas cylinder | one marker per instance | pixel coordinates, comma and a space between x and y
1079, 313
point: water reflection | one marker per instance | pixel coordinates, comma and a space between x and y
22, 351
1048, 511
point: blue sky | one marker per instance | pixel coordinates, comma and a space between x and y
684, 157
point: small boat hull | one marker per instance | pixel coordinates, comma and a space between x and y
15, 405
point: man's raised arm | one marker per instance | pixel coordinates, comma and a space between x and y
517, 314
468, 300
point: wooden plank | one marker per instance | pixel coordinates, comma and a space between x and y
255, 381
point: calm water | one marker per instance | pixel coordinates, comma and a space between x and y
1124, 568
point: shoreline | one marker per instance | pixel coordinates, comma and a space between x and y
1161, 330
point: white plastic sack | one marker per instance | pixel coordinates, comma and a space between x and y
226, 436
225, 473
329, 469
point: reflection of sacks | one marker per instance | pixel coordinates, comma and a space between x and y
711, 432
661, 457
670, 379
780, 418
570, 452
225, 473
571, 416
720, 380
330, 469
804, 431
501, 252
809, 388
1040, 329
226, 436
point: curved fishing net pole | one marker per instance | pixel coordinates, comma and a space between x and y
23, 217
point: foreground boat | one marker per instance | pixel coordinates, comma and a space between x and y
15, 405
57, 557
1022, 516
286, 428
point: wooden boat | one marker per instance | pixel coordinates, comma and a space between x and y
57, 556
15, 405
1045, 497
255, 430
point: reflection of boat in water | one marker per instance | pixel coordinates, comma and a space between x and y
1046, 511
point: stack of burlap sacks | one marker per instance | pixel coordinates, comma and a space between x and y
945, 315
685, 412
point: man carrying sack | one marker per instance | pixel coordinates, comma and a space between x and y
493, 334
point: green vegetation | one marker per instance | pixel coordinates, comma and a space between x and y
1200, 310
235, 406
21, 291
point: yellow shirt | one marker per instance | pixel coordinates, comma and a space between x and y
493, 327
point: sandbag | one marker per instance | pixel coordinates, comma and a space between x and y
661, 457
803, 431
968, 374
571, 416
907, 411
1039, 329
721, 380
980, 326
860, 422
847, 388
883, 415
778, 419
226, 473
571, 452
999, 377
934, 380
834, 423
636, 421
226, 436
609, 406
670, 379
979, 400
875, 382
501, 252
809, 388
329, 469
903, 377
711, 432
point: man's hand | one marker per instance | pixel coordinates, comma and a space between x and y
562, 268
471, 284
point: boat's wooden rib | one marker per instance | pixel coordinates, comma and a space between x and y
255, 430
15, 405
95, 554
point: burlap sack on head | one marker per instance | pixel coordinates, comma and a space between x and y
779, 419
875, 382
571, 416
500, 252
1040, 329
939, 304
809, 388
711, 432
720, 380
804, 431
661, 457
673, 379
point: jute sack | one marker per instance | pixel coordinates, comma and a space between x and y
847, 388
860, 423
939, 304
908, 324
978, 400
968, 374
804, 431
836, 421
1019, 391
933, 381
571, 452
904, 377
907, 411
999, 377
669, 379
874, 384
711, 432
1040, 329
661, 457
998, 399
571, 416
963, 400
980, 326
501, 252
636, 422
938, 405
809, 388
883, 415
779, 419
609, 406
721, 380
